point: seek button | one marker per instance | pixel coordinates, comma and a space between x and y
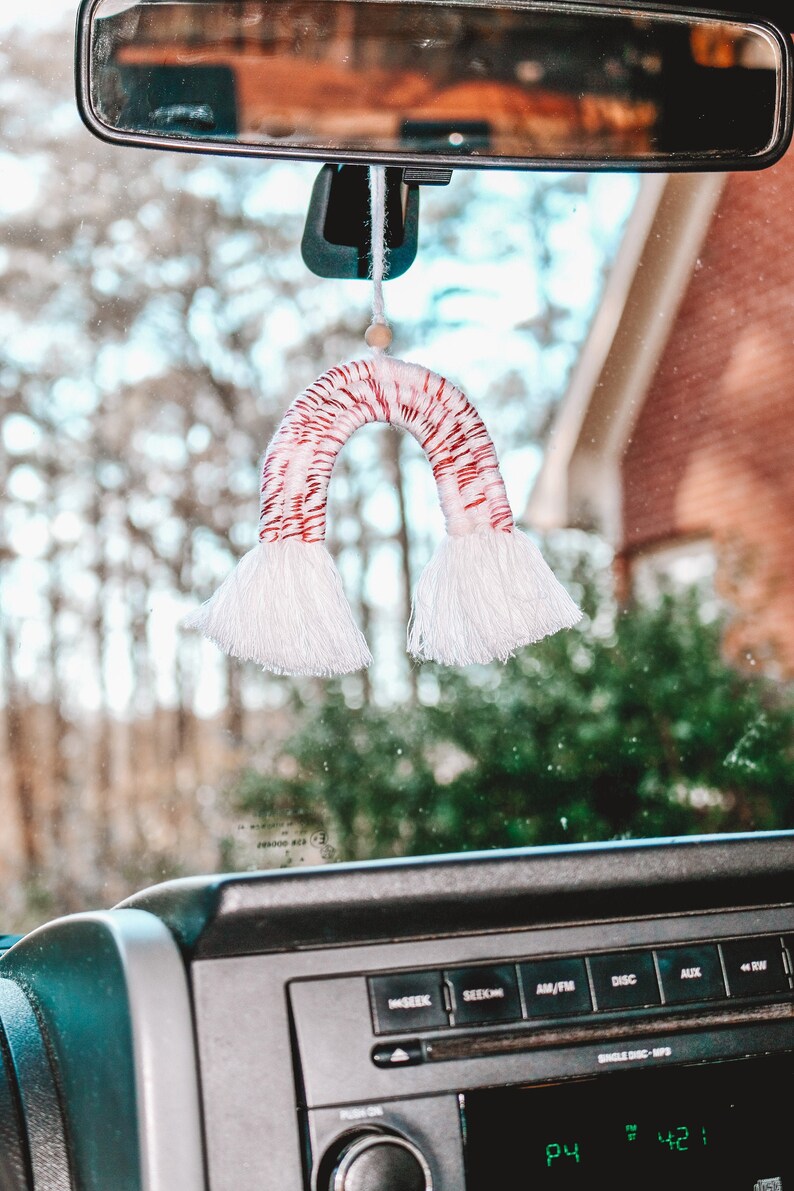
407, 1001
485, 995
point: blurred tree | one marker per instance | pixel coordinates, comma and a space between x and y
155, 320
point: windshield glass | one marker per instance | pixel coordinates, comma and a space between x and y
627, 342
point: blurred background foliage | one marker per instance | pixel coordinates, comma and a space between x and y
155, 321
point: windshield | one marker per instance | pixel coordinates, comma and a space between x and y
627, 342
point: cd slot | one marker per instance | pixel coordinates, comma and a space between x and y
471, 1046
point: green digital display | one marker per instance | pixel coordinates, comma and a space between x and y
645, 1143
680, 1139
562, 1149
677, 1131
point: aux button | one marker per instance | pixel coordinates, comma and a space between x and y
691, 973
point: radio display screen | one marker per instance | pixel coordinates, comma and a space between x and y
726, 1127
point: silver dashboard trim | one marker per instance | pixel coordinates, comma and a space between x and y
166, 1072
66, 968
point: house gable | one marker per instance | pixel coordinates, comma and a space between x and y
683, 429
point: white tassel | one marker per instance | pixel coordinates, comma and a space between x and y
482, 596
284, 607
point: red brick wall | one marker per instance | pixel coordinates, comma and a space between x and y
713, 448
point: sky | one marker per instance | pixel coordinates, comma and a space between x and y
34, 14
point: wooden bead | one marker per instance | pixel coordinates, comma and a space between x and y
378, 335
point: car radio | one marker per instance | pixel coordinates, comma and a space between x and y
725, 1126
619, 1015
500, 1062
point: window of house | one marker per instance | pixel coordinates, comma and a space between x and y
675, 567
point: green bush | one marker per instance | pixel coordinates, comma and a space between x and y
632, 725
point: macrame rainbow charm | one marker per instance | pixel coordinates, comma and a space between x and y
486, 591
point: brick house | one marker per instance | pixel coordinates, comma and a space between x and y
675, 440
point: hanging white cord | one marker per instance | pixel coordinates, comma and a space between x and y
377, 198
378, 335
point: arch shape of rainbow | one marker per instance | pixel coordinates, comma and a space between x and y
487, 590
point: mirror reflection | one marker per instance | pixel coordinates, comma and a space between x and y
382, 76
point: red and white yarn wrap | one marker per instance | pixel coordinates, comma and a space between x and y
487, 590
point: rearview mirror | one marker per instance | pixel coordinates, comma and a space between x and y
436, 83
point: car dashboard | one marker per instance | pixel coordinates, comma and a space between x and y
558, 1017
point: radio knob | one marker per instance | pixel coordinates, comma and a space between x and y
380, 1162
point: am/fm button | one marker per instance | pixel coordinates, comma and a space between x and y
554, 987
